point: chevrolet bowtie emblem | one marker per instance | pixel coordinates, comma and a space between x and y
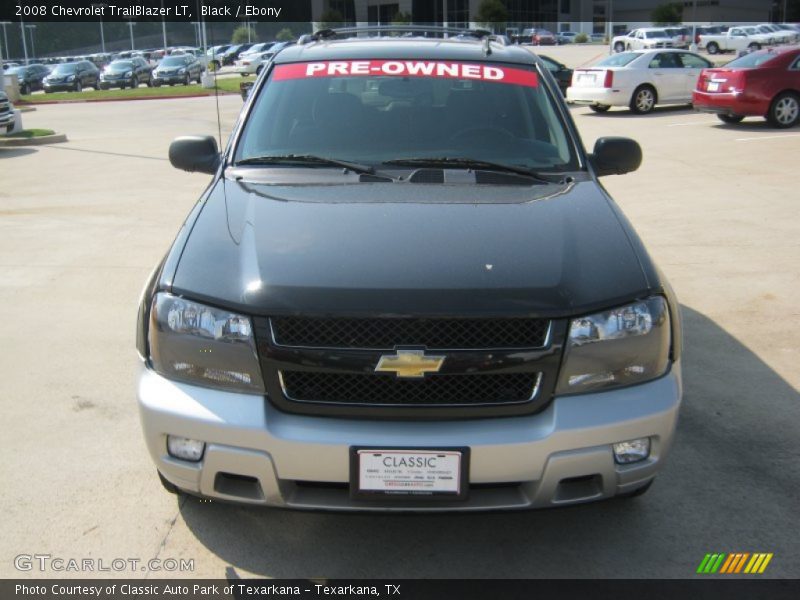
409, 363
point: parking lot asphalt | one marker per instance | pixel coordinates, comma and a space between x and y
82, 224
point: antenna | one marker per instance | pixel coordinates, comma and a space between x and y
216, 90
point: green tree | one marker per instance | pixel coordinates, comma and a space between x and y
401, 18
667, 14
284, 35
330, 19
492, 14
241, 35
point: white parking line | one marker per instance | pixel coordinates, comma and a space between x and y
703, 122
768, 137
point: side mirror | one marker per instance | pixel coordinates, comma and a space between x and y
615, 156
195, 153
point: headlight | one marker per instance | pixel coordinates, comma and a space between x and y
71, 78
202, 345
623, 346
181, 71
129, 74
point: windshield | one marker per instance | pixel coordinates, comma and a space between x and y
748, 61
618, 60
374, 111
65, 68
173, 61
119, 65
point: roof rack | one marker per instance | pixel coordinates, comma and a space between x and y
325, 34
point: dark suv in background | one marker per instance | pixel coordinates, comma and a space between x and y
72, 77
30, 77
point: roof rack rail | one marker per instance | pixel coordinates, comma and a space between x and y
324, 34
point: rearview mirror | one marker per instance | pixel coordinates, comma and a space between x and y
615, 156
195, 153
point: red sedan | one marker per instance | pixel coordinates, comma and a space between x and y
765, 83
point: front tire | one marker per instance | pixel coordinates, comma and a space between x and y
754, 46
730, 119
643, 100
186, 80
599, 108
619, 47
24, 89
134, 83
784, 112
712, 48
78, 86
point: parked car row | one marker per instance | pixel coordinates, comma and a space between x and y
121, 73
712, 38
763, 83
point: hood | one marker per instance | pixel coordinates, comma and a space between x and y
410, 249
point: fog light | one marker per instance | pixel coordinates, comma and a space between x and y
632, 451
184, 448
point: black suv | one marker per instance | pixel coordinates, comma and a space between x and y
406, 289
30, 77
129, 72
72, 77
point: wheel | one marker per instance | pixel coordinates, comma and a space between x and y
199, 78
784, 111
259, 69
134, 83
156, 84
78, 86
186, 80
150, 82
599, 108
24, 89
46, 91
754, 46
168, 485
643, 100
730, 118
633, 494
243, 74
712, 48
619, 47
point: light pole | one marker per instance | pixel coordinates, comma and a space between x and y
131, 25
163, 27
101, 5
5, 35
33, 45
24, 42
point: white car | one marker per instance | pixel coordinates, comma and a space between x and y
646, 38
640, 80
780, 36
251, 64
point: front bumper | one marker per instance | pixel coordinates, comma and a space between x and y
112, 83
559, 456
159, 79
598, 96
59, 87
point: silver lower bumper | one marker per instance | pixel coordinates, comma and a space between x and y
559, 456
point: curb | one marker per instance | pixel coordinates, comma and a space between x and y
26, 104
10, 142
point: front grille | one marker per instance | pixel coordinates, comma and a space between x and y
389, 390
386, 334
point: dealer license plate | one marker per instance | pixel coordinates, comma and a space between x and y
378, 472
712, 86
586, 79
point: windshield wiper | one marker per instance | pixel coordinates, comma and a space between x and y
470, 163
306, 159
